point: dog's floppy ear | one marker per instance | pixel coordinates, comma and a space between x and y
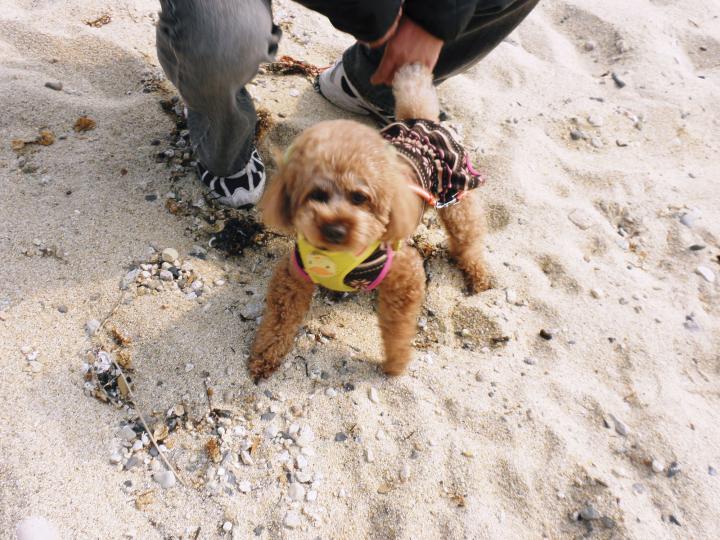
276, 205
403, 217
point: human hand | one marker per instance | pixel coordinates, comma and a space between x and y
410, 44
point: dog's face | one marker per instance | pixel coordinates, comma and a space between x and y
342, 187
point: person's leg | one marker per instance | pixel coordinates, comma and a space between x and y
210, 51
485, 31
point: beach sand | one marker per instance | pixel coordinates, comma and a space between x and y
595, 195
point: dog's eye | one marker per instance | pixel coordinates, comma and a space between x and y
358, 198
319, 195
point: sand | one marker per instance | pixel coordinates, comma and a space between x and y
496, 432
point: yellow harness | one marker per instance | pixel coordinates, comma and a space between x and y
341, 270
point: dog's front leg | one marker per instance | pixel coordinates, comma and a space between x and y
400, 298
286, 303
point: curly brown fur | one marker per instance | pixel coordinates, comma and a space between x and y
287, 301
343, 187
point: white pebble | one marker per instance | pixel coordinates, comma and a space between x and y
404, 472
706, 273
311, 495
169, 255
292, 520
36, 528
301, 462
227, 526
597, 293
294, 93
658, 466
271, 431
166, 275
127, 433
189, 367
511, 296
296, 491
369, 455
244, 486
115, 458
92, 326
330, 392
373, 395
166, 479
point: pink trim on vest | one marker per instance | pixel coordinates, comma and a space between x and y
299, 268
384, 271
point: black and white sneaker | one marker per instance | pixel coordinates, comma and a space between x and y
244, 188
334, 86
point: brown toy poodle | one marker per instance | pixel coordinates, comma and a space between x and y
352, 196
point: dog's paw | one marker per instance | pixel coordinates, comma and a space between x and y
260, 368
477, 277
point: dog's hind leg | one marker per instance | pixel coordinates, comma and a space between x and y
465, 225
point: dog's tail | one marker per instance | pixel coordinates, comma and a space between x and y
415, 96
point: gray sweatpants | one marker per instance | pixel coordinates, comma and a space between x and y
210, 49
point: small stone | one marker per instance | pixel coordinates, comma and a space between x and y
311, 496
589, 45
166, 275
589, 513
577, 135
638, 488
170, 255
258, 530
292, 520
581, 219
301, 461
219, 282
404, 472
305, 436
227, 526
672, 519
373, 395
689, 218
707, 274
618, 80
36, 528
595, 121
197, 286
369, 455
188, 368
54, 85
35, 366
545, 334
657, 466
673, 469
330, 392
115, 458
166, 479
134, 461
608, 522
252, 311
294, 92
91, 327
621, 143
596, 143
620, 427
127, 434
340, 437
271, 431
712, 471
621, 46
530, 361
198, 252
244, 486
597, 293
3, 316
511, 296
296, 491
62, 308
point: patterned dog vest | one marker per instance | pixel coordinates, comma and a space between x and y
441, 164
341, 270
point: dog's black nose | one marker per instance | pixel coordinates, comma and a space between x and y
334, 233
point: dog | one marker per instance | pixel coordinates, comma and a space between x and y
352, 199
